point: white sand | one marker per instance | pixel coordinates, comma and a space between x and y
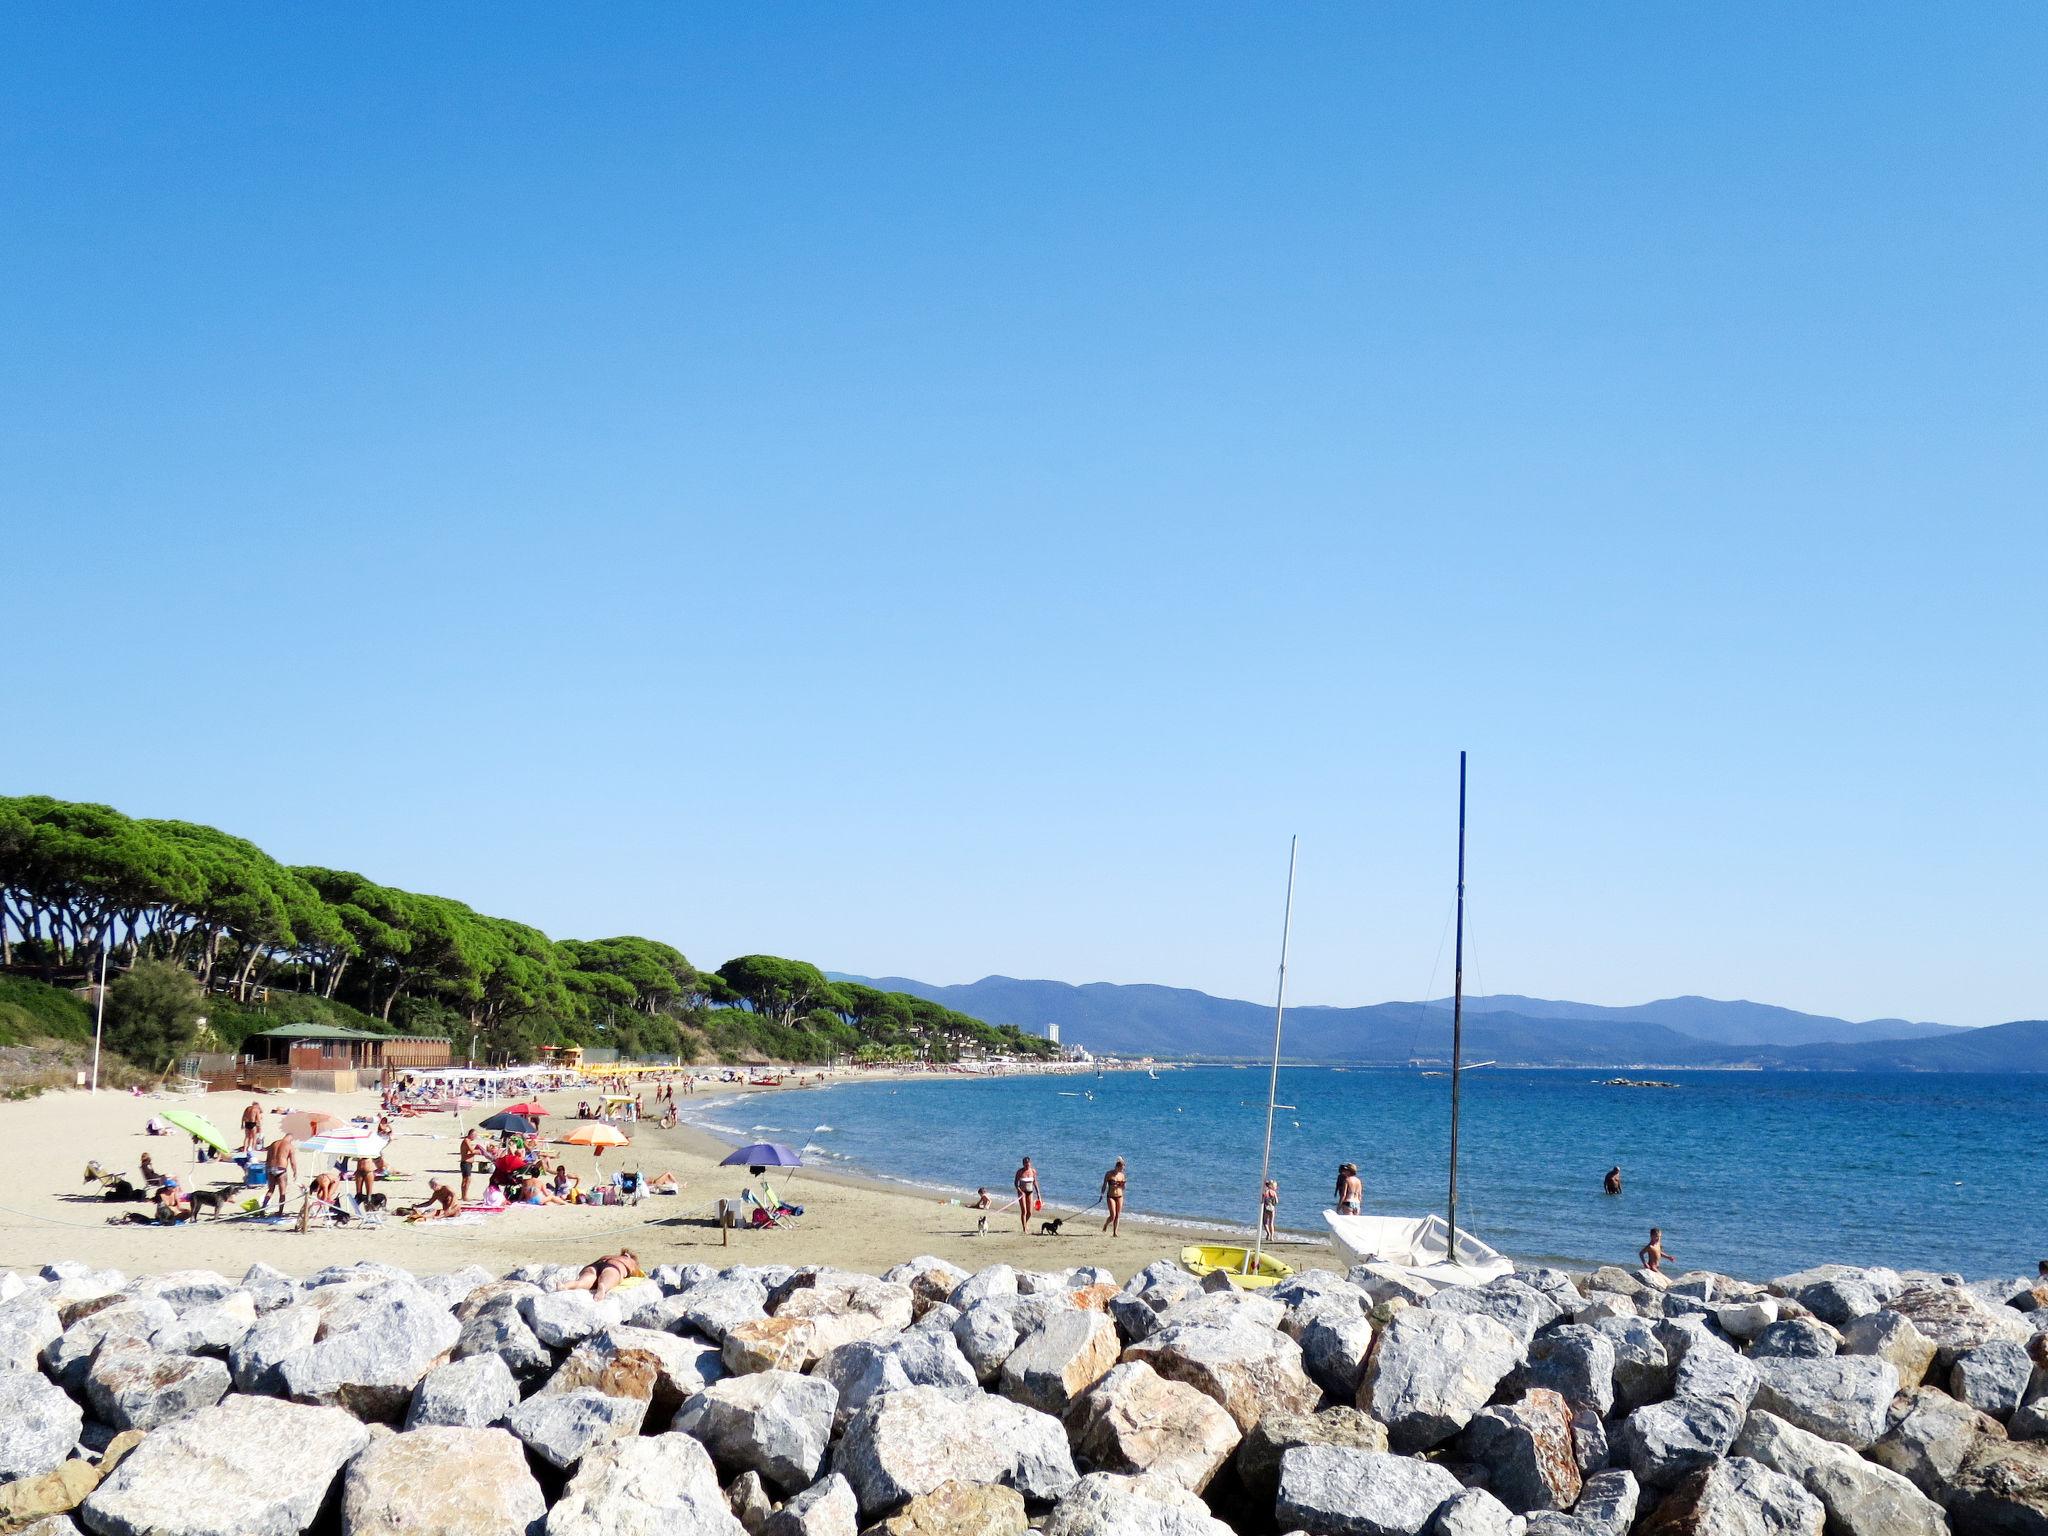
48, 1212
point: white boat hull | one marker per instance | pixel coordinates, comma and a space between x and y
1417, 1248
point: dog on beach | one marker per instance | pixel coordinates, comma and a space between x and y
214, 1200
1050, 1227
113, 1186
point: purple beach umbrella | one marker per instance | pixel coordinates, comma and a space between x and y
762, 1154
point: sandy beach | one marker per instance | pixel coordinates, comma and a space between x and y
48, 1212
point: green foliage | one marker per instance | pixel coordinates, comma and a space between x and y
331, 946
31, 1010
153, 1012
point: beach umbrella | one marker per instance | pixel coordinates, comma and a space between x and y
338, 1145
595, 1136
198, 1125
762, 1154
308, 1122
505, 1120
531, 1110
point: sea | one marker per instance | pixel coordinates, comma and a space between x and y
1750, 1173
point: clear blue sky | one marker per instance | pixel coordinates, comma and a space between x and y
941, 490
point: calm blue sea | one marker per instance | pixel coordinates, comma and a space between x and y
1752, 1173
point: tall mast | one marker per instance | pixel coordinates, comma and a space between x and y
1457, 1014
1273, 1077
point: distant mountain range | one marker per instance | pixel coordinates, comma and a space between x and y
1141, 1020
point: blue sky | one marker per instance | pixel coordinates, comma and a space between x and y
940, 491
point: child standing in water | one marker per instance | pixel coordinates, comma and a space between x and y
1652, 1253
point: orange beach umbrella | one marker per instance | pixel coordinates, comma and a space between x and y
596, 1136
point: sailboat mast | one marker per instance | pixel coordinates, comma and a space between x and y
1273, 1076
1457, 1015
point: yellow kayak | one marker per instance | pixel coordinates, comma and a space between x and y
1264, 1269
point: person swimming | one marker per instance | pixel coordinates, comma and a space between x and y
1613, 1182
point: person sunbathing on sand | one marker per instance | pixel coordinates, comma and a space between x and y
440, 1202
599, 1276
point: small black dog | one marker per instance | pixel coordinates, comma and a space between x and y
376, 1200
1050, 1227
215, 1200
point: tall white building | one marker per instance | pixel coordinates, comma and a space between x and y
1052, 1033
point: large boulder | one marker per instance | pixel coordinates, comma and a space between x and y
132, 1385
826, 1508
39, 1425
1842, 1399
716, 1305
1574, 1361
1891, 1336
562, 1319
1475, 1512
1738, 1497
1520, 1308
769, 1344
1430, 1372
1607, 1507
1956, 1320
2001, 1490
1861, 1498
1839, 1301
1930, 1436
869, 1368
212, 1329
1992, 1378
659, 1485
843, 1307
684, 1364
248, 1466
1335, 1336
474, 1393
442, 1481
1796, 1338
983, 1284
1257, 1463
564, 1427
1136, 1421
1526, 1449
909, 1442
27, 1324
932, 1281
1106, 1504
776, 1423
1236, 1356
501, 1331
1669, 1441
1642, 1365
68, 1357
1332, 1491
1059, 1360
959, 1509
371, 1351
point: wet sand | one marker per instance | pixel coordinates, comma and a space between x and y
47, 1212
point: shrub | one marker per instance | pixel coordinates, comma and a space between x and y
153, 1013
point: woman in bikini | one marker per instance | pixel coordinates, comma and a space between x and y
1027, 1194
601, 1275
1113, 1183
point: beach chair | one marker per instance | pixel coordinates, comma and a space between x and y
630, 1186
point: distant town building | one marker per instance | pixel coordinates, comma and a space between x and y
1052, 1033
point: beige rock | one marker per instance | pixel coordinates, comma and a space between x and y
442, 1481
769, 1344
52, 1493
624, 1373
1247, 1365
1060, 1359
1891, 1336
1135, 1420
960, 1509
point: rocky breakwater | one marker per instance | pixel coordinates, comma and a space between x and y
783, 1401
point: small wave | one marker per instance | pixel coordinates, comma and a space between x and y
819, 1130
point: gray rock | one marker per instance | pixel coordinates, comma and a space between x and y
1589, 1441
939, 1317
909, 1442
248, 1466
442, 1481
472, 1393
271, 1286
1669, 1441
869, 1368
364, 1272
451, 1290
2031, 1422
371, 1352
932, 1281
1710, 1368
776, 1423
747, 1497
134, 1386
996, 1280
1235, 1352
716, 1305
69, 1356
1526, 1449
1257, 1463
1335, 1337
1929, 1438
1795, 1338
1608, 1503
1956, 1321
39, 1425
1738, 1497
662, 1485
1521, 1309
1839, 1302
1136, 1421
985, 1333
1992, 1378
1642, 1365
212, 1329
1337, 1492
1861, 1498
184, 1289
1059, 1360
1430, 1372
1107, 1504
1890, 1336
826, 1508
562, 1319
1318, 1285
2002, 1490
565, 1427
1746, 1319
1475, 1512
1576, 1362
1843, 1399
254, 1359
501, 1331
1386, 1282
27, 1324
